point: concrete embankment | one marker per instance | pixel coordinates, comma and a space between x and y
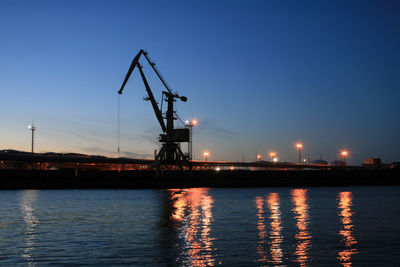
64, 179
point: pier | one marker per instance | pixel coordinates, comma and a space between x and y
62, 171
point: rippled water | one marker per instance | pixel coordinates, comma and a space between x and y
201, 227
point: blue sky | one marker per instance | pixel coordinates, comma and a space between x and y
259, 76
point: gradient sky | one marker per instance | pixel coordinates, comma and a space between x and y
259, 76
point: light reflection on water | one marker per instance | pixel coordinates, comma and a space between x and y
346, 232
262, 233
276, 228
201, 227
28, 199
192, 211
303, 237
275, 237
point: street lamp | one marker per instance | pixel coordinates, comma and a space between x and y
272, 155
206, 154
299, 147
190, 125
259, 157
344, 154
32, 128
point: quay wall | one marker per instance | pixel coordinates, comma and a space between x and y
72, 179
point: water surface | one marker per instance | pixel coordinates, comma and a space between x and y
340, 226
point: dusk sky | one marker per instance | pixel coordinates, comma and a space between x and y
259, 76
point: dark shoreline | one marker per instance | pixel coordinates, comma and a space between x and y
69, 179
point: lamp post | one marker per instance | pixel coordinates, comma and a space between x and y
299, 147
190, 125
344, 154
206, 154
32, 128
272, 155
258, 157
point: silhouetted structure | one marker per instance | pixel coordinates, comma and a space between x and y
170, 152
32, 128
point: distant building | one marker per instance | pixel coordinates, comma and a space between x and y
372, 161
395, 165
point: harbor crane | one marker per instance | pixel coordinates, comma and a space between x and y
170, 152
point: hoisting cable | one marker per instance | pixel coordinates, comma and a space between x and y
119, 123
179, 118
153, 66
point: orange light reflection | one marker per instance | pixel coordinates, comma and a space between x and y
346, 232
261, 231
303, 237
275, 237
276, 228
193, 210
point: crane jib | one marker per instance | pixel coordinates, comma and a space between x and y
135, 61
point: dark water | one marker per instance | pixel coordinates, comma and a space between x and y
201, 227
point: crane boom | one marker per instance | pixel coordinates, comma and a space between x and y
152, 100
135, 61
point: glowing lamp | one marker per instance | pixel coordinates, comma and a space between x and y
299, 146
206, 154
344, 154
